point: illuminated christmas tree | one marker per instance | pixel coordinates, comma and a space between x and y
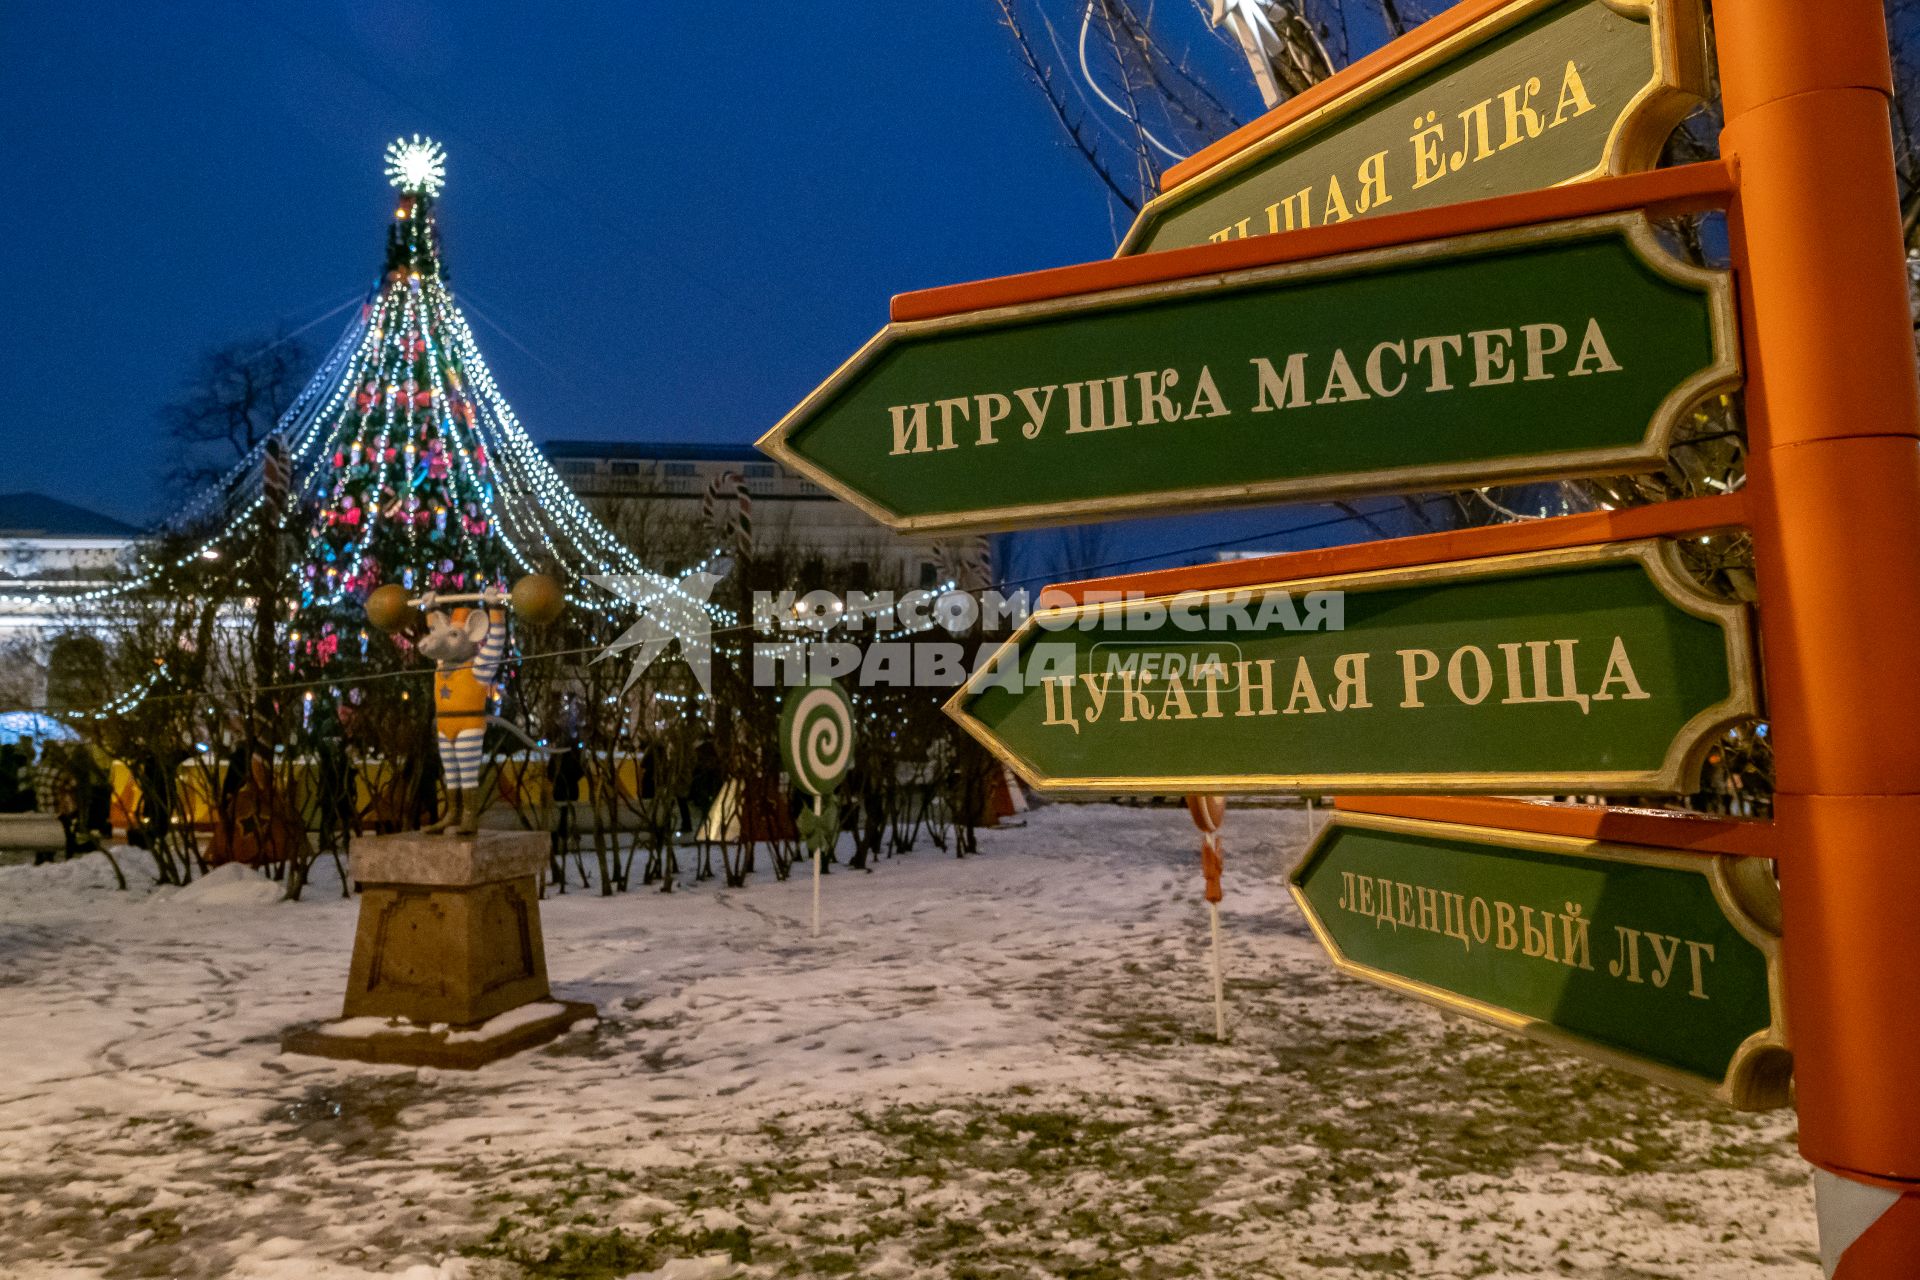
406, 485
399, 463
413, 466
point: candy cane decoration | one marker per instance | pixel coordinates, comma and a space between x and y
1208, 812
965, 562
743, 508
276, 472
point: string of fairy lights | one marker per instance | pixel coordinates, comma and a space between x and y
795, 647
362, 408
539, 521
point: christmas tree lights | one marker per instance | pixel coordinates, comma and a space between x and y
406, 464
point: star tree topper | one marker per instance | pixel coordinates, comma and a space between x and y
419, 166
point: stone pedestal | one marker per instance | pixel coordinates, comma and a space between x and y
448, 942
449, 926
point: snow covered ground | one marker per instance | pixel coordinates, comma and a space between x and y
996, 1067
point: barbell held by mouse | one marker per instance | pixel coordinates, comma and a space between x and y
536, 598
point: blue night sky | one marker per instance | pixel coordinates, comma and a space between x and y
670, 226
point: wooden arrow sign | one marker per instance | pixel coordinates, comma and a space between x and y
1661, 962
1491, 98
1599, 669
1529, 352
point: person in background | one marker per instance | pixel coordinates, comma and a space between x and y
704, 786
236, 770
23, 776
155, 775
338, 806
96, 793
84, 772
56, 792
10, 789
565, 770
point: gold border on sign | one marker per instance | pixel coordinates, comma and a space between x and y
1677, 29
1678, 772
1758, 1074
1649, 453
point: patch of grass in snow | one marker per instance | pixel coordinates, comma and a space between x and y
573, 1253
992, 1140
562, 1230
1137, 1030
833, 1262
991, 1189
97, 1220
1459, 1104
1074, 1193
1665, 1208
1395, 1262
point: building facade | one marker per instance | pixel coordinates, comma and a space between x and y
54, 547
47, 543
682, 481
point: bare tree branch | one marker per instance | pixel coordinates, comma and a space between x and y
230, 403
1145, 74
1043, 77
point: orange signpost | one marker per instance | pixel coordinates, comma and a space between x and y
1832, 498
1666, 519
1655, 828
1833, 412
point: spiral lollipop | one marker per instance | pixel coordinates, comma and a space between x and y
816, 736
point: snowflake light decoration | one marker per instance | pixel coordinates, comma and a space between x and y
419, 165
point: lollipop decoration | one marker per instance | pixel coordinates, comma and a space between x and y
816, 746
816, 736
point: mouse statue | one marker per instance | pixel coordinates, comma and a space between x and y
466, 649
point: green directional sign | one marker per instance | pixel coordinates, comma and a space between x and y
1562, 349
1530, 95
1595, 670
1665, 963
